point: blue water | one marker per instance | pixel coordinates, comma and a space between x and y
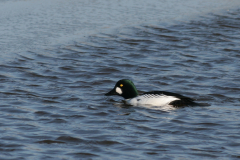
59, 58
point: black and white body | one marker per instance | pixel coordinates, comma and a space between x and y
127, 90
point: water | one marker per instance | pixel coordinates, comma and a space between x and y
56, 68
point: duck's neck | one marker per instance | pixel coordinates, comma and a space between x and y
131, 93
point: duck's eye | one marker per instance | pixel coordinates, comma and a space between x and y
121, 85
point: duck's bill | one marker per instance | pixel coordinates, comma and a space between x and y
112, 92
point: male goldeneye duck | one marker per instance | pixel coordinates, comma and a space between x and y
127, 90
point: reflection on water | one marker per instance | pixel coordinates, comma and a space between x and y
53, 104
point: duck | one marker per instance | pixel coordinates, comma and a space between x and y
126, 89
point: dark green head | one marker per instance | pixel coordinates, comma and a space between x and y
124, 88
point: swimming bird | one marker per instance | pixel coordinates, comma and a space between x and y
128, 91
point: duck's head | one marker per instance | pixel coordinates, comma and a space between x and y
124, 88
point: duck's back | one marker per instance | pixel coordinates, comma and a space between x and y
161, 98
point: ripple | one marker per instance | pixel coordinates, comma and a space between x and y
83, 154
69, 139
49, 141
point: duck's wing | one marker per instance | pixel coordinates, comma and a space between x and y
181, 102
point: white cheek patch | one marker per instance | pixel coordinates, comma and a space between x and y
118, 90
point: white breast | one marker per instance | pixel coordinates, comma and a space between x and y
152, 100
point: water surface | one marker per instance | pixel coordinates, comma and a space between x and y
53, 84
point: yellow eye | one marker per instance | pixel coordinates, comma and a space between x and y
121, 85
